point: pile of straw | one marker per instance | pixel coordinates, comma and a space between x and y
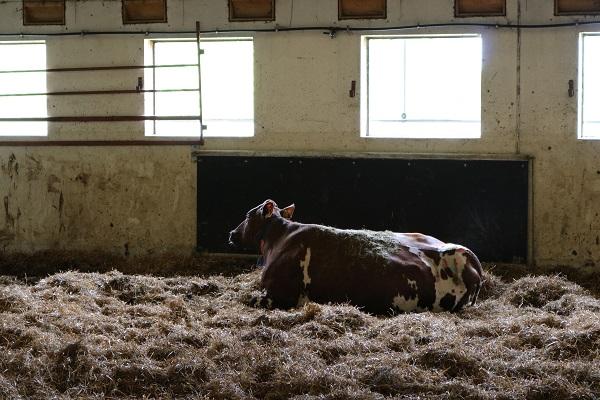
109, 335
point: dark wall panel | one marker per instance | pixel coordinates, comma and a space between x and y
482, 204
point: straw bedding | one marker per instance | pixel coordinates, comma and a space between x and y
109, 335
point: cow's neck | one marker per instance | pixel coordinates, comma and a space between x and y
272, 231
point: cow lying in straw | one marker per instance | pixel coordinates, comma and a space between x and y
380, 272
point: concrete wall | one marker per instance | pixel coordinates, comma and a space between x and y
141, 200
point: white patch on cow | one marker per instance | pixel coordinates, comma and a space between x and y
412, 285
404, 304
456, 263
302, 300
455, 286
304, 265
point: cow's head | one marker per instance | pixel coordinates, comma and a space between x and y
250, 232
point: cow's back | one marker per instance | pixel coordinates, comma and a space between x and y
379, 271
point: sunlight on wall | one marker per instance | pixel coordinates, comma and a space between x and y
16, 56
589, 89
227, 88
423, 87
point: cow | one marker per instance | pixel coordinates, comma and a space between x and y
380, 272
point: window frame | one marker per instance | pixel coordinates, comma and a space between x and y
44, 94
150, 61
364, 79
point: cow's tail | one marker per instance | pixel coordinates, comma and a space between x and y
472, 276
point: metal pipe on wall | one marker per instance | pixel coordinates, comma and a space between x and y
99, 68
111, 118
98, 143
325, 29
94, 92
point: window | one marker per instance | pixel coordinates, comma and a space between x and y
421, 86
144, 11
23, 94
576, 7
251, 10
362, 9
588, 120
479, 8
43, 12
227, 87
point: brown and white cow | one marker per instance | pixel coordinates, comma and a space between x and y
380, 272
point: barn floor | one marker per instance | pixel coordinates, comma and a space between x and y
110, 335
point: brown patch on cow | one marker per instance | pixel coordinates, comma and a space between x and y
411, 293
448, 301
434, 255
443, 274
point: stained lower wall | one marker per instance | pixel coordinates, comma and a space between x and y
124, 200
141, 199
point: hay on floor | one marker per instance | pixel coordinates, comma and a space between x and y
91, 335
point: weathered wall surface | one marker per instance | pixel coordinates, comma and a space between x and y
127, 200
141, 200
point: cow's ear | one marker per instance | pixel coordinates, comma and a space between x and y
267, 208
288, 211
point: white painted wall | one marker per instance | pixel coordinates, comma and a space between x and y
145, 196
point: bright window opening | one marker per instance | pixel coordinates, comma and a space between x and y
22, 94
421, 86
589, 86
227, 87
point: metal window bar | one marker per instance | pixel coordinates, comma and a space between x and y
153, 88
95, 92
111, 118
103, 68
123, 118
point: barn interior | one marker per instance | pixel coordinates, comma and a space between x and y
473, 121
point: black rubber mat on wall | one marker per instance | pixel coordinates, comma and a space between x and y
482, 204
